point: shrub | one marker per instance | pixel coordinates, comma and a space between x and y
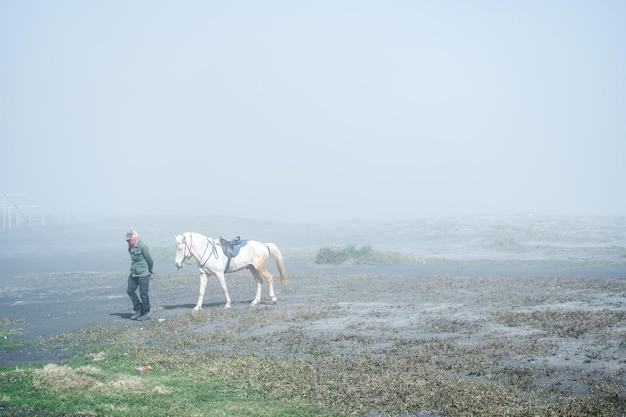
365, 255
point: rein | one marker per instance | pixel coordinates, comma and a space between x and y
213, 251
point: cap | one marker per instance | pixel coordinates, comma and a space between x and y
129, 235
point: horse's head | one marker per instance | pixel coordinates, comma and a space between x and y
183, 250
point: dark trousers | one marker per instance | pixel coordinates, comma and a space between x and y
142, 306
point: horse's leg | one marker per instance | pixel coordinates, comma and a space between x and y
259, 285
222, 280
270, 280
203, 281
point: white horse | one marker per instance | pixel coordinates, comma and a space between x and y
212, 260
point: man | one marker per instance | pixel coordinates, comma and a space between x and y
140, 272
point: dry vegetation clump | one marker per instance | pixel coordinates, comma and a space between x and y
63, 379
565, 323
365, 255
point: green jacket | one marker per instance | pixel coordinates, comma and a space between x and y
141, 260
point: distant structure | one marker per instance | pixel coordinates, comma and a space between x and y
7, 221
26, 215
14, 216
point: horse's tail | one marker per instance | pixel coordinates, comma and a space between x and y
278, 257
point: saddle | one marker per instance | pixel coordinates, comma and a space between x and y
231, 249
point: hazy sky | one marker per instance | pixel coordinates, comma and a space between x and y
316, 110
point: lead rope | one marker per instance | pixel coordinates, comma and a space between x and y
153, 294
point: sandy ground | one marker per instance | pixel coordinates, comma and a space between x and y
478, 284
41, 305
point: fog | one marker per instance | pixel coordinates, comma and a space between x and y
313, 111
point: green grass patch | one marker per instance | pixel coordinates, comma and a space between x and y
8, 336
211, 384
7, 339
173, 386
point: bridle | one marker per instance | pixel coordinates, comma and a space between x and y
187, 249
189, 254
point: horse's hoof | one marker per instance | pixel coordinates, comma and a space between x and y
197, 308
253, 304
274, 300
226, 306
